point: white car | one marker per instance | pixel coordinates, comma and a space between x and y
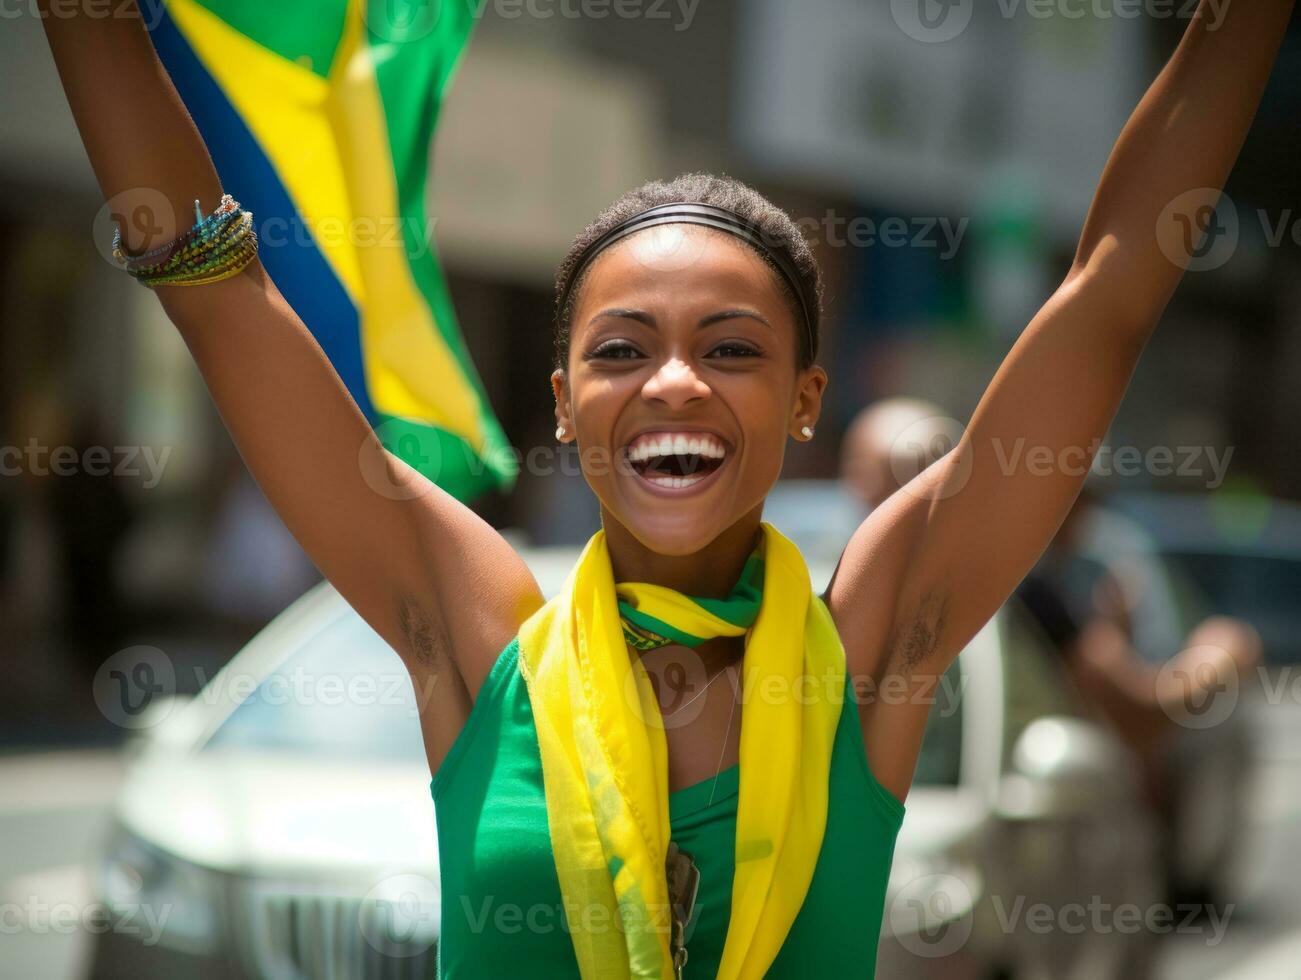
1026, 849
280, 825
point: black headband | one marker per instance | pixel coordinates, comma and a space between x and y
708, 216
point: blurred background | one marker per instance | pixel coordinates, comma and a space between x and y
943, 173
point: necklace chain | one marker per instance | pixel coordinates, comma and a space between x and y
718, 769
693, 697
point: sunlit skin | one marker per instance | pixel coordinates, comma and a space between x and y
681, 328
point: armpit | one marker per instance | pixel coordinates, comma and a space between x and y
915, 638
426, 642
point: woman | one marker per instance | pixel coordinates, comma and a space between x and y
580, 805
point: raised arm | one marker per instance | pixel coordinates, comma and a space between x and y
431, 577
955, 542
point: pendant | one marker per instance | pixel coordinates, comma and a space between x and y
684, 884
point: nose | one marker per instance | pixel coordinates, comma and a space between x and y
675, 384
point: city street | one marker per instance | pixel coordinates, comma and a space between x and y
54, 810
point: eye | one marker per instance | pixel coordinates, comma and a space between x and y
614, 350
622, 350
740, 349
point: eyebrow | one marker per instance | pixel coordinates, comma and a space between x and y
641, 316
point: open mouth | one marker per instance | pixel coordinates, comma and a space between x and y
676, 470
676, 460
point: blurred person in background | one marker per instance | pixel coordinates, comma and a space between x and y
1089, 614
889, 443
65, 503
1088, 607
92, 516
687, 323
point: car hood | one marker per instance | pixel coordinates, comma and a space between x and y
939, 819
265, 814
936, 865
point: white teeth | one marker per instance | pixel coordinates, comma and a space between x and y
700, 444
674, 482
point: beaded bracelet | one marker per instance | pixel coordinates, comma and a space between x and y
217, 247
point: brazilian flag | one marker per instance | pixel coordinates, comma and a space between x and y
319, 115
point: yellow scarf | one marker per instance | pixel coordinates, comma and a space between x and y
605, 767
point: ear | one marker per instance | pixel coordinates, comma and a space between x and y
564, 413
808, 401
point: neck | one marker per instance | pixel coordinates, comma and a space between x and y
710, 572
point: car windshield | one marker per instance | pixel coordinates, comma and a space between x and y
1261, 589
343, 694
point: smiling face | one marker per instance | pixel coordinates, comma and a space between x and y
683, 385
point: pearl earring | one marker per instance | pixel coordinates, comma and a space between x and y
807, 432
560, 432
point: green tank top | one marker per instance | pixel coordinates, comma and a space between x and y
502, 914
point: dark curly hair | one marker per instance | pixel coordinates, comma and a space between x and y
774, 224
